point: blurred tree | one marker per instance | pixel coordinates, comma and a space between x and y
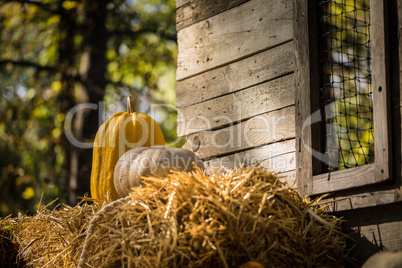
56, 54
347, 87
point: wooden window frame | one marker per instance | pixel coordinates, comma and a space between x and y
307, 102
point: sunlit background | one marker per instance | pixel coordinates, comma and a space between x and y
346, 83
56, 54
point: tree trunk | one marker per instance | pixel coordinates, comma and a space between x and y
92, 73
87, 87
66, 99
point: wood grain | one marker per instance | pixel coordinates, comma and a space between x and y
180, 3
272, 157
362, 200
304, 171
373, 229
307, 92
259, 68
381, 92
387, 233
232, 108
344, 179
281, 163
260, 130
198, 10
289, 177
239, 32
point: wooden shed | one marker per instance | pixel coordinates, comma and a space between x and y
260, 81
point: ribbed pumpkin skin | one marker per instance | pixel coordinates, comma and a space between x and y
157, 162
120, 133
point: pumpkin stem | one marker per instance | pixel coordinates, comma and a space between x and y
130, 108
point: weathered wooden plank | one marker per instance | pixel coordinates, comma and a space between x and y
269, 156
180, 3
259, 68
304, 171
260, 130
362, 200
344, 179
281, 163
307, 90
198, 10
241, 31
385, 235
397, 140
289, 177
381, 91
232, 108
373, 229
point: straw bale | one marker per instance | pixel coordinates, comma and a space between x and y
53, 238
8, 247
222, 219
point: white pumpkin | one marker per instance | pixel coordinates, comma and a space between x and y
151, 161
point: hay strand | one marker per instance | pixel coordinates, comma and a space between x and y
223, 219
92, 223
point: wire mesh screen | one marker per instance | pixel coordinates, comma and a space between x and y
346, 89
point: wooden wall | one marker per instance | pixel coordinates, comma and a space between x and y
372, 230
235, 89
236, 103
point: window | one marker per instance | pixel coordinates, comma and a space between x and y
346, 91
342, 76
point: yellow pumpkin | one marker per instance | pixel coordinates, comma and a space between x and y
120, 133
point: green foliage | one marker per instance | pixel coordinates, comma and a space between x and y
350, 139
29, 132
141, 55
